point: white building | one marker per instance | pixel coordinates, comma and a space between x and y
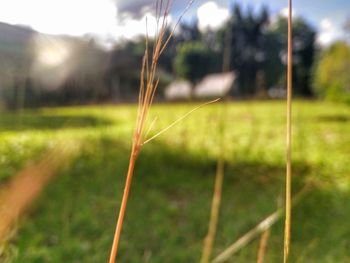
213, 85
178, 90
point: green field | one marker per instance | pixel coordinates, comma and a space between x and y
168, 210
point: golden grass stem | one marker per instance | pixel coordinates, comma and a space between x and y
288, 212
220, 171
264, 225
114, 250
26, 185
214, 214
262, 246
148, 87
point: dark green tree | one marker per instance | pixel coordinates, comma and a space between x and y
303, 53
186, 32
331, 76
246, 32
193, 61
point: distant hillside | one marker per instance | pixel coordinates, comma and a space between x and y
14, 38
39, 65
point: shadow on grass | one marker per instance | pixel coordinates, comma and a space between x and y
37, 121
334, 118
168, 210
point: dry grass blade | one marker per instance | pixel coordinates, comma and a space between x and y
178, 120
248, 237
220, 171
177, 23
288, 218
258, 229
214, 215
25, 187
148, 87
262, 246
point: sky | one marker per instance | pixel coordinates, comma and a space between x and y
111, 20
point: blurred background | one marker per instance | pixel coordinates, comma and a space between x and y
59, 53
69, 78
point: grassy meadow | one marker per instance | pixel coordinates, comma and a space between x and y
168, 211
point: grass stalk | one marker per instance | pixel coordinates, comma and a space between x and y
262, 246
214, 214
148, 86
26, 186
220, 166
260, 228
288, 212
132, 162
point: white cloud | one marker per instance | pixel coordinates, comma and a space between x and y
329, 32
129, 27
210, 15
98, 18
326, 24
76, 17
285, 12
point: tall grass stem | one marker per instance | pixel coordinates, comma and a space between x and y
220, 166
148, 86
262, 246
214, 213
288, 214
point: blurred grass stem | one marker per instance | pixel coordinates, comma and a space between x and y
262, 246
260, 228
288, 214
220, 165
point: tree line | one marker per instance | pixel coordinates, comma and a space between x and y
252, 43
